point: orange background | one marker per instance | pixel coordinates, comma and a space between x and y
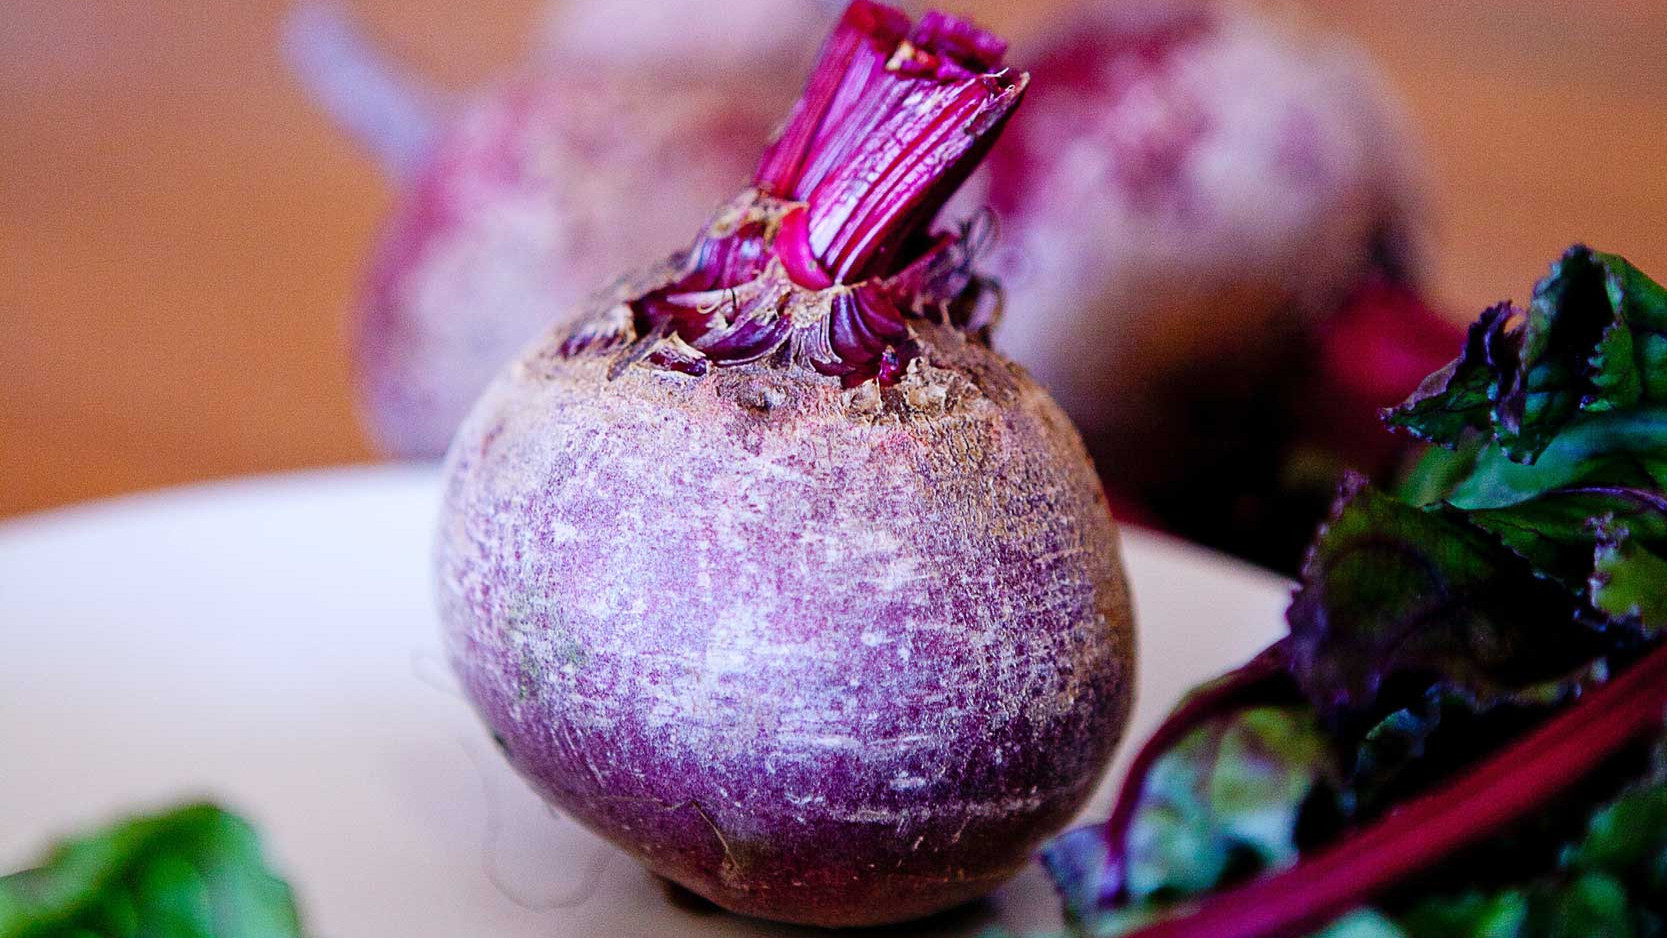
180, 232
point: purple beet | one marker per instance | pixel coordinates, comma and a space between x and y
1193, 189
521, 200
767, 568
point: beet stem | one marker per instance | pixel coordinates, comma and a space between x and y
892, 120
890, 124
1501, 790
1254, 683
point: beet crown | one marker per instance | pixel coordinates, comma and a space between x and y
823, 261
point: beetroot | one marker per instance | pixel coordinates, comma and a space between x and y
767, 569
527, 197
1194, 189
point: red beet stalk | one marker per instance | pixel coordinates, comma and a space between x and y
893, 120
1258, 682
934, 92
1501, 790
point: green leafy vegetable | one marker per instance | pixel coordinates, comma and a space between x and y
1606, 466
1571, 404
1461, 396
195, 872
1413, 748
1250, 716
1570, 399
1593, 340
1476, 668
1390, 589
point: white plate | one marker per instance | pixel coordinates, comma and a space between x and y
269, 643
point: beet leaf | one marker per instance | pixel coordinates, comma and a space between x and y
1593, 340
1392, 590
1473, 679
194, 872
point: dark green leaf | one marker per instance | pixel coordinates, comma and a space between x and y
1593, 340
1609, 882
1589, 906
1579, 430
1392, 590
1417, 746
1592, 906
1568, 345
1609, 465
1469, 915
1634, 352
195, 872
1461, 397
1628, 448
1390, 748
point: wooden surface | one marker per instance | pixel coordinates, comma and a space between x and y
180, 232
